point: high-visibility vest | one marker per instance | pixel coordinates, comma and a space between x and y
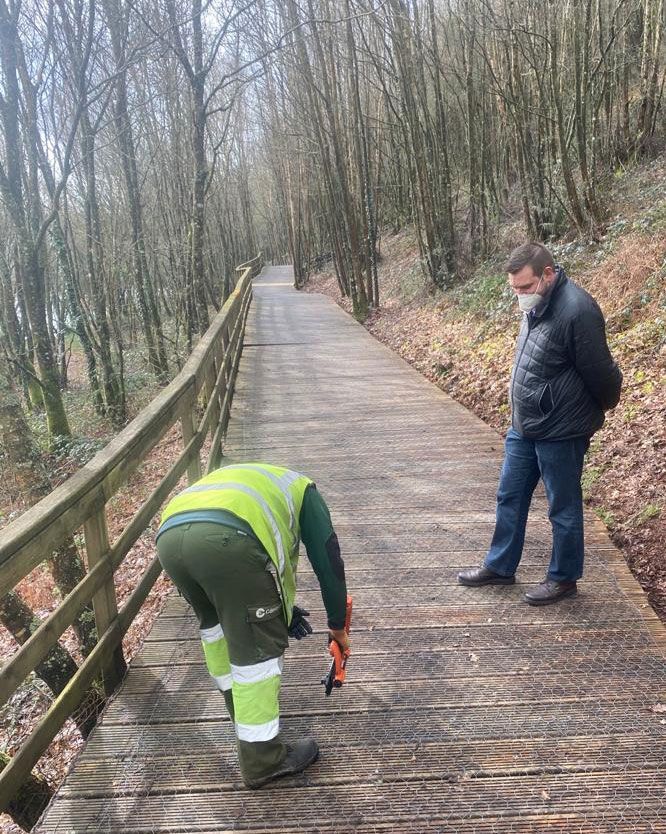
269, 498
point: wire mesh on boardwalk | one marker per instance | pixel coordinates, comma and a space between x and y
464, 710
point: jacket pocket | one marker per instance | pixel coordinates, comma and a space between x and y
268, 629
546, 403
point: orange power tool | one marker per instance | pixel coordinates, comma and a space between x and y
338, 669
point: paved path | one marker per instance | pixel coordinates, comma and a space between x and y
465, 709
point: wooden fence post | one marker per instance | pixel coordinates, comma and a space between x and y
238, 347
104, 601
188, 427
227, 346
215, 365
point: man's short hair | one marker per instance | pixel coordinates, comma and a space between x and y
529, 254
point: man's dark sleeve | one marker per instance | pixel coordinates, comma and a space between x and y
321, 545
593, 360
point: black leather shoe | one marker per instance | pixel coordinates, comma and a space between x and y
550, 591
474, 577
299, 756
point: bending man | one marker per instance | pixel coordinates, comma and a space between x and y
230, 545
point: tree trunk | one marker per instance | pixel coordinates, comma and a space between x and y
341, 185
148, 310
81, 327
473, 150
582, 87
96, 276
653, 12
11, 189
565, 161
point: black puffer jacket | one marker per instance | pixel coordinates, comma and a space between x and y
564, 377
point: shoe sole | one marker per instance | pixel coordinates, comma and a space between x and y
260, 783
571, 593
499, 580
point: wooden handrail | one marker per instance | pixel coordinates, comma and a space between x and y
205, 384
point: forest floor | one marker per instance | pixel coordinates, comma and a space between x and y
463, 340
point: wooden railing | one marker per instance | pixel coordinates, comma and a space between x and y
200, 398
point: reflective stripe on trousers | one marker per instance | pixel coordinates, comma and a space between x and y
216, 653
256, 690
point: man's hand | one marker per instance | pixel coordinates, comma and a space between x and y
341, 638
299, 626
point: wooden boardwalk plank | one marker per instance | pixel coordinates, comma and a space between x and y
633, 751
403, 803
465, 711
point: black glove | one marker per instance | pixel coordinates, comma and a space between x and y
299, 626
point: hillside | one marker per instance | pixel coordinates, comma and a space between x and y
463, 341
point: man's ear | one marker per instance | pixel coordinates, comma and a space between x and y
549, 274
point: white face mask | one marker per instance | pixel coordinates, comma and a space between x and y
529, 300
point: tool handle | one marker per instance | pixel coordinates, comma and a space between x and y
339, 662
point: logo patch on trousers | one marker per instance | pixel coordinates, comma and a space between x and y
260, 613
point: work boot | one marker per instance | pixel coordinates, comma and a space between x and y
475, 577
550, 591
299, 756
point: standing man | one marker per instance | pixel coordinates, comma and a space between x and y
563, 380
230, 545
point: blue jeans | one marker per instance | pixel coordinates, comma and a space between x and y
560, 464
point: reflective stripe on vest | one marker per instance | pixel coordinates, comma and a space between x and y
256, 497
268, 498
283, 482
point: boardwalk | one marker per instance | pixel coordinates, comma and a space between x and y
465, 709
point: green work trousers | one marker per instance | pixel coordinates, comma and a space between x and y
225, 576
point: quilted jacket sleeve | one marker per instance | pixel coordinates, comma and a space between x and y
592, 358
